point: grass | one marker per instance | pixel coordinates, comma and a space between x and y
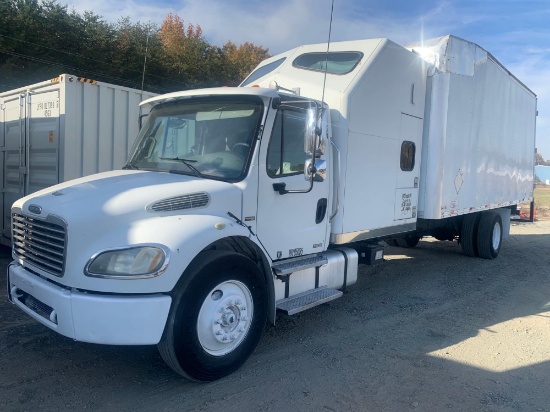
542, 204
542, 197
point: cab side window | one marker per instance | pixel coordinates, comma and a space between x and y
285, 154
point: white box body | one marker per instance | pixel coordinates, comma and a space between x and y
479, 133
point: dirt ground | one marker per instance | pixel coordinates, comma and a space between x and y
428, 330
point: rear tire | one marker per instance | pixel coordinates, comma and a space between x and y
489, 235
408, 242
468, 234
217, 317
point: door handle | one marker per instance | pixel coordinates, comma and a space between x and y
321, 210
280, 187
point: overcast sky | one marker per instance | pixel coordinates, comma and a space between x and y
516, 32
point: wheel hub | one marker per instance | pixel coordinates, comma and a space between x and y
225, 318
496, 236
229, 321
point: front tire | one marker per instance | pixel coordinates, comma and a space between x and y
217, 317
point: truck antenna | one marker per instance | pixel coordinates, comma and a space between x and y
143, 74
326, 59
145, 57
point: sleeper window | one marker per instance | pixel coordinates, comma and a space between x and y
408, 151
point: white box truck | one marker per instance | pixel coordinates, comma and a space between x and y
61, 129
239, 202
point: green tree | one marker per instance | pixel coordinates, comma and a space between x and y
184, 50
41, 39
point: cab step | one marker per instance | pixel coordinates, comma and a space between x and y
294, 265
308, 299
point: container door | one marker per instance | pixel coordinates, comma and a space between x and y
13, 143
291, 224
406, 193
30, 146
42, 141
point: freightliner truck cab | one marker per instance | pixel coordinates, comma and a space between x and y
180, 248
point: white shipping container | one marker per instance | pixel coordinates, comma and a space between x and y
62, 129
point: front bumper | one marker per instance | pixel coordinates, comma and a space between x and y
89, 317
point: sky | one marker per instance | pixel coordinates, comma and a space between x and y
516, 32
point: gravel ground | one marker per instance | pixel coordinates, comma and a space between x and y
428, 330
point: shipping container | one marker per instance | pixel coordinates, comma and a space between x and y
61, 129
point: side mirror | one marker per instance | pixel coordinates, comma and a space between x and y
316, 131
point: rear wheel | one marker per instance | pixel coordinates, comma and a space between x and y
468, 235
489, 235
217, 317
408, 242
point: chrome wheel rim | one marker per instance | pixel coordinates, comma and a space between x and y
496, 236
225, 317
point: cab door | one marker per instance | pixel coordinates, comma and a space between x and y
290, 224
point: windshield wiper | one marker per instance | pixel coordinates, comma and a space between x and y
130, 166
186, 162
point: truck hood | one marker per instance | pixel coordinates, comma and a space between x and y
120, 195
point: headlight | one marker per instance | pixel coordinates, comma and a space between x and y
128, 263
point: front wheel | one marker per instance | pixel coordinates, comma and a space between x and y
217, 317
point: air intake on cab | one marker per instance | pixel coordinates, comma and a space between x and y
191, 201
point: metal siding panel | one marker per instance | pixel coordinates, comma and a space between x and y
70, 130
43, 135
11, 184
120, 131
107, 114
90, 128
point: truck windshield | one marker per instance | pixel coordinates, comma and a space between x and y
205, 137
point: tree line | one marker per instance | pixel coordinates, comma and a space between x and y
41, 39
539, 160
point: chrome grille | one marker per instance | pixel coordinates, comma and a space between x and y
190, 201
39, 243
